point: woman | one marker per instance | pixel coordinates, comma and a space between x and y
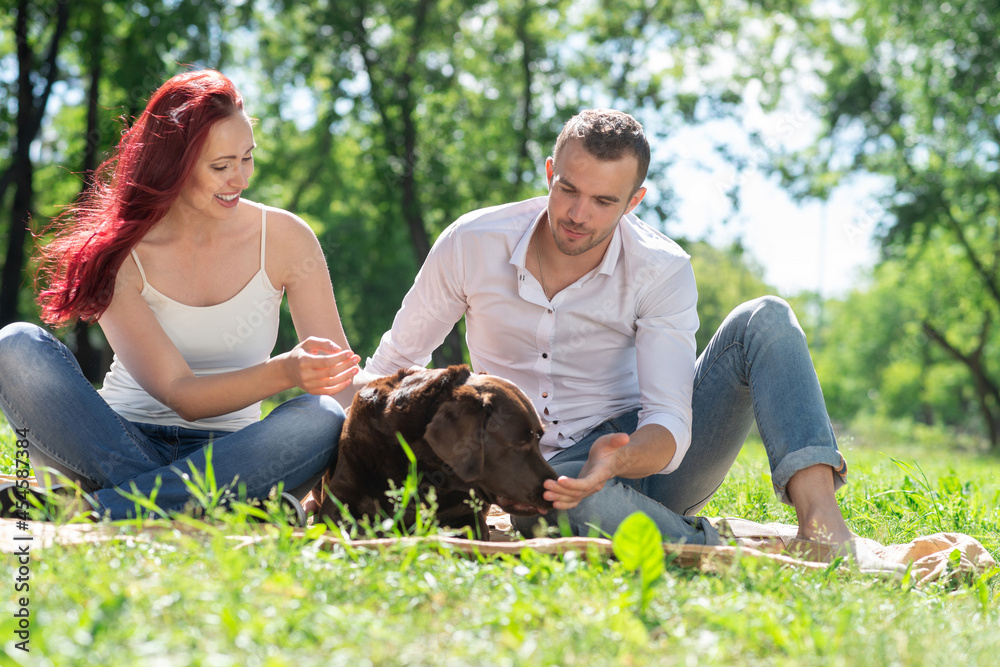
185, 278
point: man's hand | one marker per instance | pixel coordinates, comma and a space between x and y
604, 462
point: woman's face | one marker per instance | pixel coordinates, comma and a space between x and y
221, 173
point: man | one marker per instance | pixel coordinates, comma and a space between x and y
592, 313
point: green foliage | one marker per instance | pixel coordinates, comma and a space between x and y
420, 116
638, 544
910, 93
726, 278
134, 46
381, 123
877, 357
228, 592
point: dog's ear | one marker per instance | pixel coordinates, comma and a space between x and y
455, 434
423, 385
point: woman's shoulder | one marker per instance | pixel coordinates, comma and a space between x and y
129, 274
285, 226
289, 240
279, 216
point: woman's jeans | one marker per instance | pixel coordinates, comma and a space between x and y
757, 366
73, 431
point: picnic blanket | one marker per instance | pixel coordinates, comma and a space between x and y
928, 558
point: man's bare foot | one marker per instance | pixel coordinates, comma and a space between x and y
812, 494
823, 534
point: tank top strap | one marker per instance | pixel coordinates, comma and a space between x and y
138, 264
263, 234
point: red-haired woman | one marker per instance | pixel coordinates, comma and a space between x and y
185, 278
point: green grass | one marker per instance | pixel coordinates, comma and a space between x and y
192, 597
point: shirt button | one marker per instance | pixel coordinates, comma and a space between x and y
555, 422
545, 355
546, 411
545, 394
550, 311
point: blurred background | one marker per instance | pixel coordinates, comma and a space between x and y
841, 155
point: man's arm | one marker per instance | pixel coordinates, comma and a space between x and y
430, 309
665, 356
645, 452
665, 359
346, 397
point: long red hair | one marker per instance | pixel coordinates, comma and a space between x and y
131, 192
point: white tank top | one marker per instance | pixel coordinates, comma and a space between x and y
228, 336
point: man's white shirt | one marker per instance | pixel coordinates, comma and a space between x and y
619, 338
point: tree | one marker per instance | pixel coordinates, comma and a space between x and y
911, 92
418, 111
37, 74
878, 359
383, 121
422, 111
726, 278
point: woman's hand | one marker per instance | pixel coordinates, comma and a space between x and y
320, 366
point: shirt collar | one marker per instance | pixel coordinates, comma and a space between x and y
613, 251
607, 266
519, 257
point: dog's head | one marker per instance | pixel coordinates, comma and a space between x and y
487, 432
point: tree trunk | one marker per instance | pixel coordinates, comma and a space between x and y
450, 351
30, 109
987, 392
527, 54
13, 268
89, 356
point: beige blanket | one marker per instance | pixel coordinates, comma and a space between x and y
928, 558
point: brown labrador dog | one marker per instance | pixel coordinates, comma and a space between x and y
468, 432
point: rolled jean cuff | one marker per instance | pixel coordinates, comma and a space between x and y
707, 531
801, 459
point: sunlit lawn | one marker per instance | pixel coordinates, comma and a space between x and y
191, 597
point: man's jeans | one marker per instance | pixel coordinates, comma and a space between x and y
757, 366
73, 431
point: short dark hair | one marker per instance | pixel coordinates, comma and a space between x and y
608, 135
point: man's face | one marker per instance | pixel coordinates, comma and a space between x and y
587, 198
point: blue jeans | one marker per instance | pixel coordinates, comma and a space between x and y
74, 432
757, 366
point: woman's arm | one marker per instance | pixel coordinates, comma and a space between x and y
296, 262
319, 364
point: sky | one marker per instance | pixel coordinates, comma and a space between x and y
824, 247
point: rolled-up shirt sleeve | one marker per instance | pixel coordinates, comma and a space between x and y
435, 302
666, 323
